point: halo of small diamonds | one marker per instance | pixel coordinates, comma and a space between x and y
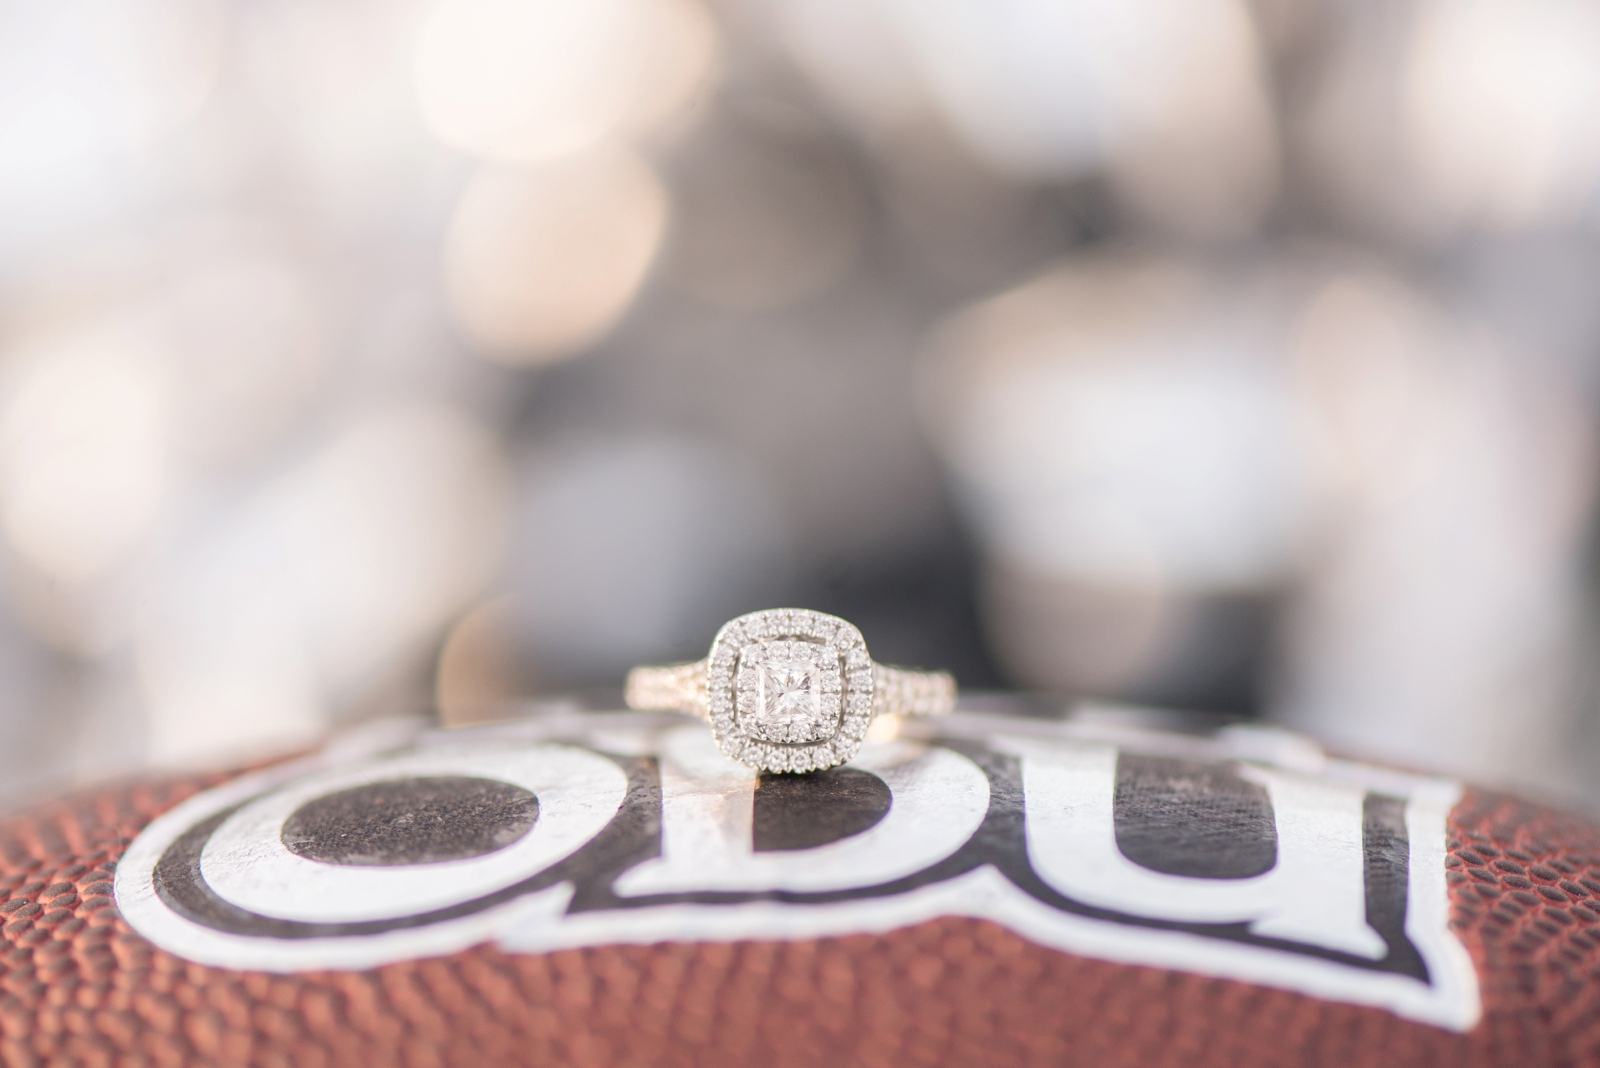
835, 721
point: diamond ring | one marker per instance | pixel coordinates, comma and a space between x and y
790, 690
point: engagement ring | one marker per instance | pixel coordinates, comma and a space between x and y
790, 690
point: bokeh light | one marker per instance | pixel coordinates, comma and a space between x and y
519, 81
1125, 452
1437, 620
243, 342
541, 262
369, 359
1168, 98
1501, 106
88, 88
84, 452
328, 579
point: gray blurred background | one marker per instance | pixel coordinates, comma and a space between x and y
374, 356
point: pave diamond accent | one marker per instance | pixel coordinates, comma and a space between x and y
771, 723
912, 693
789, 691
679, 686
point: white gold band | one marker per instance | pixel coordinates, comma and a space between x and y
897, 691
674, 687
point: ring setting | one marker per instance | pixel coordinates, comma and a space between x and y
790, 689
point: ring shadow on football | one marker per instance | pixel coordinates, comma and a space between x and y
805, 811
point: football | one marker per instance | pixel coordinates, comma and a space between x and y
993, 888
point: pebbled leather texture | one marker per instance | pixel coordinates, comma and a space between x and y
78, 987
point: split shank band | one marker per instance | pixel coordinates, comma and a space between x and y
895, 691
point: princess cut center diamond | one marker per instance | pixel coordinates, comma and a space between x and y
789, 691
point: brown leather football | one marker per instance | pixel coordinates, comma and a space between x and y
607, 890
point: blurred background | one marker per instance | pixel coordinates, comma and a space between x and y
375, 356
